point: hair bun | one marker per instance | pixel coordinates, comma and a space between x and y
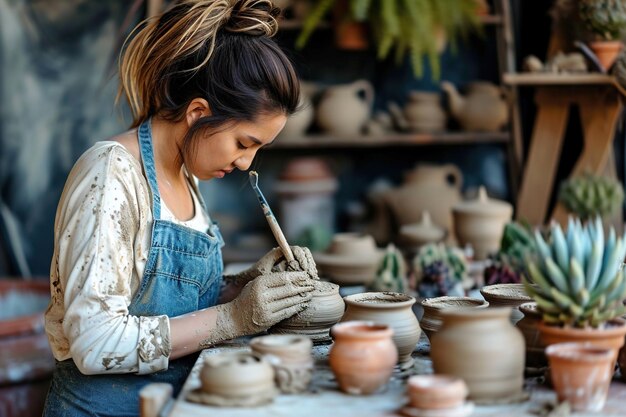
253, 17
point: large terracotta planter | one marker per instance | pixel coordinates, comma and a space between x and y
431, 320
362, 357
482, 347
581, 374
392, 309
611, 337
507, 295
535, 348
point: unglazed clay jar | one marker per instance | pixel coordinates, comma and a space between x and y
431, 320
427, 392
362, 356
392, 309
482, 347
535, 349
325, 309
290, 355
507, 295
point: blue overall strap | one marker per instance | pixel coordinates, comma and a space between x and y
147, 158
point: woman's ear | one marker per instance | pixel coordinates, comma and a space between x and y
198, 108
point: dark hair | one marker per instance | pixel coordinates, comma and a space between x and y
219, 50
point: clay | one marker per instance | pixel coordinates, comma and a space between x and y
535, 355
342, 112
436, 391
424, 113
507, 295
431, 320
460, 411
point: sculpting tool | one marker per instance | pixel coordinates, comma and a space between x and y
271, 219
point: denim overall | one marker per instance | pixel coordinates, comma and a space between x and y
183, 273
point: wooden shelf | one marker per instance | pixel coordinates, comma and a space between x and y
558, 79
294, 24
395, 139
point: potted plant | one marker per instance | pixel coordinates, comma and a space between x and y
578, 283
588, 196
439, 270
606, 19
415, 28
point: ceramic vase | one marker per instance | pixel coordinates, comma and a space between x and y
362, 356
431, 320
535, 349
392, 309
482, 347
424, 113
507, 295
325, 309
290, 356
342, 111
581, 374
436, 392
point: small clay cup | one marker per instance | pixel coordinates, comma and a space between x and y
430, 392
431, 320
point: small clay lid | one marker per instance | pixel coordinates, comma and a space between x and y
483, 205
425, 230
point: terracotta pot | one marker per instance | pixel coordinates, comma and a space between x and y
362, 356
535, 349
341, 111
325, 309
482, 347
290, 356
611, 337
428, 392
431, 320
606, 52
581, 374
507, 295
424, 112
392, 309
349, 34
481, 222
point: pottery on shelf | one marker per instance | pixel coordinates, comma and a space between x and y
507, 295
341, 111
422, 233
392, 309
235, 379
362, 356
581, 374
436, 392
482, 347
298, 123
535, 349
325, 309
351, 259
480, 223
290, 356
424, 113
483, 108
431, 320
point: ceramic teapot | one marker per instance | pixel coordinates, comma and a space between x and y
482, 109
342, 111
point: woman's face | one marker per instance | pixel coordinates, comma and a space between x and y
234, 147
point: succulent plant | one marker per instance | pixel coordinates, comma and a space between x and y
508, 264
577, 278
501, 273
452, 257
589, 195
436, 280
605, 18
391, 274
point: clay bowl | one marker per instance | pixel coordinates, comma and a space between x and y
507, 295
431, 320
429, 392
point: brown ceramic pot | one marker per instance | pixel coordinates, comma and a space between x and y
535, 349
325, 309
581, 374
507, 295
290, 356
431, 320
392, 309
362, 356
427, 392
607, 52
482, 347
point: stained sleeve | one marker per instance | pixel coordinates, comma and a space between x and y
96, 231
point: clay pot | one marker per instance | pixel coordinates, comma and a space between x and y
422, 233
482, 347
237, 378
482, 109
362, 356
607, 52
424, 112
290, 356
611, 337
431, 320
351, 259
581, 374
535, 349
409, 201
342, 111
392, 309
298, 123
480, 223
325, 309
436, 392
507, 295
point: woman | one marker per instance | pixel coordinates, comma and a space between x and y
136, 277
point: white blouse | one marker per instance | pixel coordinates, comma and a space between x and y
102, 238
